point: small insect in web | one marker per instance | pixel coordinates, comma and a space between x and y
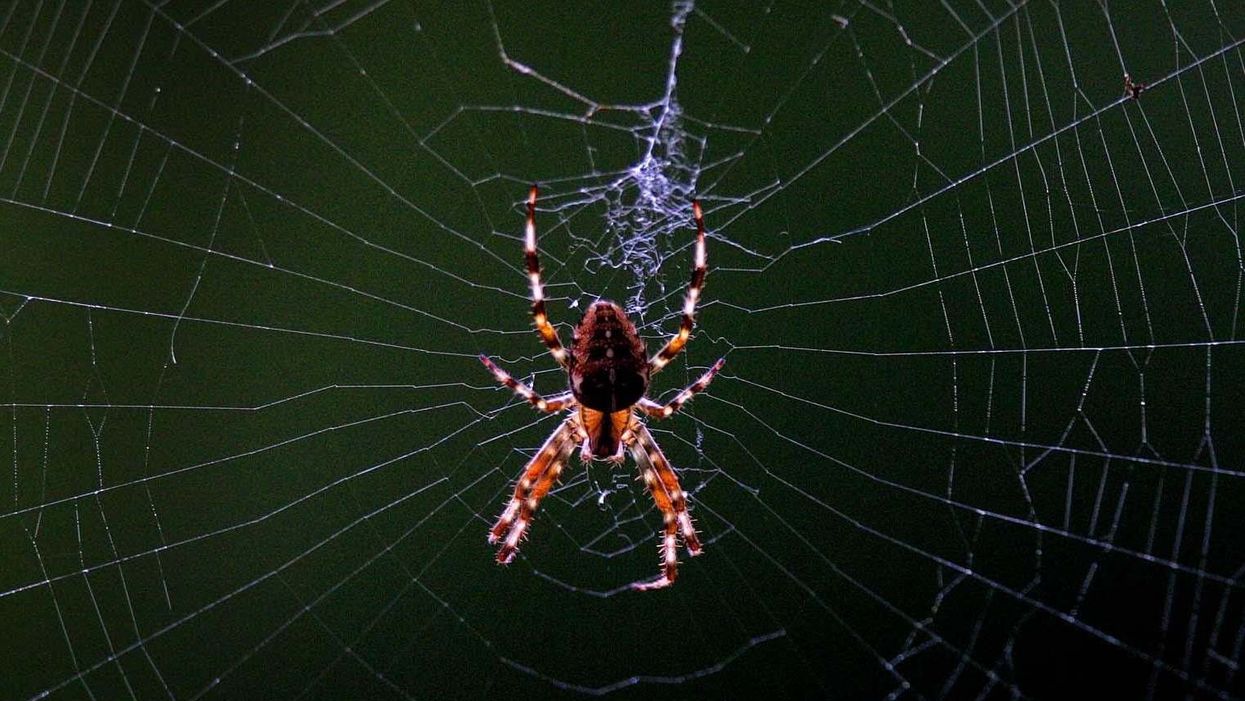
1133, 89
609, 371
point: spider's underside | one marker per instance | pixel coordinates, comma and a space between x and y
609, 371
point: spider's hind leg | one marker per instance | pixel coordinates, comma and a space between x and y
675, 344
548, 334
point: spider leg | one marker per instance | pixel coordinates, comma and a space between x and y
549, 405
663, 484
537, 479
547, 332
675, 344
661, 411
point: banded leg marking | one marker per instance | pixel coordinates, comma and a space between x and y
538, 477
675, 344
547, 332
668, 495
661, 411
548, 405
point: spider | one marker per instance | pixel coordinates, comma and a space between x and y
609, 371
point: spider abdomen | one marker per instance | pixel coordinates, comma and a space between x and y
609, 367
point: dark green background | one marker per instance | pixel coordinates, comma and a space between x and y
978, 434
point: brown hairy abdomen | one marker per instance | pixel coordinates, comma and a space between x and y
610, 366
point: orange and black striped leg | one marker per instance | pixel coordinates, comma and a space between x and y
661, 411
663, 484
674, 345
538, 478
549, 405
548, 334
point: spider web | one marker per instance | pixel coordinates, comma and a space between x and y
978, 433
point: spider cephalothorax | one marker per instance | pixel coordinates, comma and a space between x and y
608, 370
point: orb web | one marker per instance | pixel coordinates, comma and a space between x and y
979, 295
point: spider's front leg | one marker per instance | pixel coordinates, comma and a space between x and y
663, 484
538, 477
